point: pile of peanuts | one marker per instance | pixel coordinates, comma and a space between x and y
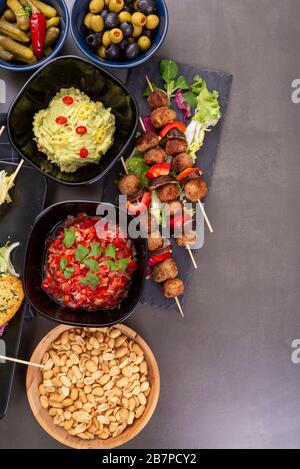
95, 382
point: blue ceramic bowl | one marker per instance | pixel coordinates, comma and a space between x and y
79, 33
64, 24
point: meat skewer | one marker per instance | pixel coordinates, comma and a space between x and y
157, 103
187, 246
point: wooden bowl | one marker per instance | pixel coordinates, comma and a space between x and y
34, 378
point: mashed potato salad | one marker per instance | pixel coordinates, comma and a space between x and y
74, 130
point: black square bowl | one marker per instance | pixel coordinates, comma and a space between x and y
99, 85
44, 226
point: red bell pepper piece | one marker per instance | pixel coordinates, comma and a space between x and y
187, 172
160, 169
180, 220
38, 27
159, 258
173, 125
141, 206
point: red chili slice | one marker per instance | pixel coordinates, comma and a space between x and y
159, 169
159, 258
187, 172
68, 100
81, 130
136, 209
84, 153
61, 120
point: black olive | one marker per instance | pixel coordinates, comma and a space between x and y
94, 40
123, 44
128, 8
112, 52
126, 28
104, 13
147, 32
147, 6
132, 51
112, 20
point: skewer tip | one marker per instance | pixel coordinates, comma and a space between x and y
179, 306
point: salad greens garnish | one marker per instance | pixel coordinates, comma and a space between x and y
6, 265
90, 280
136, 165
69, 237
172, 82
28, 10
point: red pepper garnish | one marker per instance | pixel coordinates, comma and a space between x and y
173, 125
81, 130
159, 258
160, 169
187, 172
68, 100
84, 153
61, 120
180, 220
38, 27
136, 209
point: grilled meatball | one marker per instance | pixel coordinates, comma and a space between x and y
154, 156
165, 270
173, 288
129, 184
196, 189
187, 238
181, 162
155, 241
158, 99
172, 208
175, 146
162, 116
168, 192
147, 141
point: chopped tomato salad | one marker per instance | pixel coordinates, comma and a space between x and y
89, 265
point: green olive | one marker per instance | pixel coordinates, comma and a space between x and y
87, 20
138, 19
130, 40
116, 5
135, 5
144, 43
152, 21
106, 41
97, 23
137, 31
116, 35
96, 6
124, 16
101, 52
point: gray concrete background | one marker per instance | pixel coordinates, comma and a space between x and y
226, 370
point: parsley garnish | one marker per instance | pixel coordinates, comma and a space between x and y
91, 264
81, 252
121, 264
110, 251
96, 250
63, 264
69, 238
90, 280
68, 272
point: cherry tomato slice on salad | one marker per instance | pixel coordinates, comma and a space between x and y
160, 169
68, 100
173, 125
81, 130
61, 120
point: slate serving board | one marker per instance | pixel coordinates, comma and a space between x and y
206, 158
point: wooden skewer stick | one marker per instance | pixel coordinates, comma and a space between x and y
124, 165
192, 256
2, 130
179, 306
23, 362
142, 124
149, 83
15, 174
205, 216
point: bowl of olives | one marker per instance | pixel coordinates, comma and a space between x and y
119, 33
